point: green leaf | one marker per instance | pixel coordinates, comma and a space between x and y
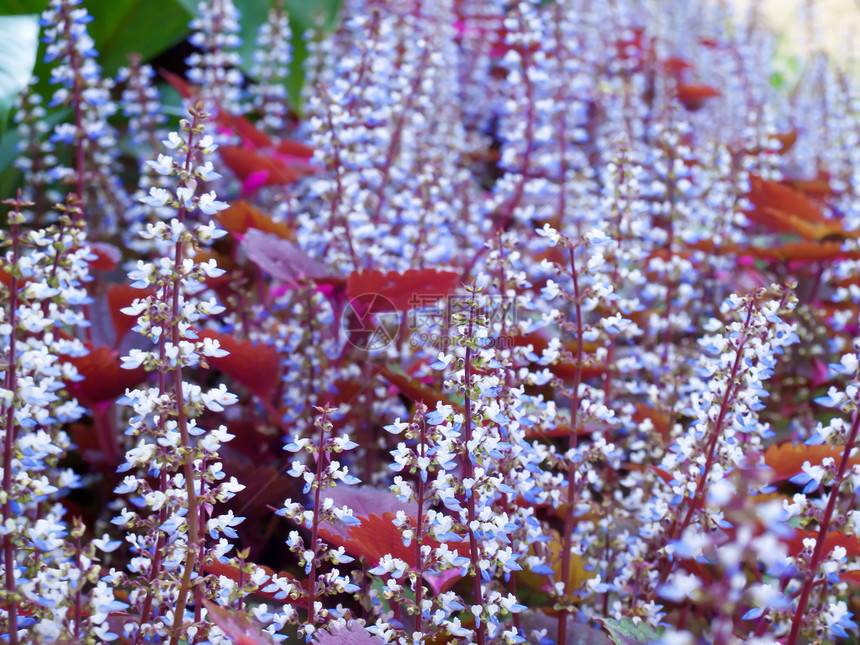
146, 27
309, 14
626, 632
19, 40
189, 5
15, 7
304, 15
8, 146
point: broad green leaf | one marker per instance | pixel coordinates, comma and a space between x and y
146, 27
626, 632
10, 141
304, 15
189, 5
254, 13
310, 14
14, 7
19, 40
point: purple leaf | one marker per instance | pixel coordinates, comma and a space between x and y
280, 258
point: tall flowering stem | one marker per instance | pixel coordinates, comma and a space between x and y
186, 470
824, 527
15, 219
195, 546
328, 472
469, 467
832, 434
566, 543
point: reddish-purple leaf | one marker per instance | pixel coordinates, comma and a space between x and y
238, 626
254, 365
403, 291
353, 634
280, 258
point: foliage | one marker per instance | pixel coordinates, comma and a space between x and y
421, 322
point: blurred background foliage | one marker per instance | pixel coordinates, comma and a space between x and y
156, 29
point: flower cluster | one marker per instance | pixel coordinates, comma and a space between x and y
570, 287
175, 476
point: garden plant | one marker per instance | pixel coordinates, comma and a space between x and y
426, 321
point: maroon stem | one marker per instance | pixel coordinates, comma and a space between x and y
77, 99
670, 243
419, 537
572, 443
193, 520
78, 594
701, 484
10, 385
824, 527
312, 579
394, 144
335, 203
469, 472
155, 569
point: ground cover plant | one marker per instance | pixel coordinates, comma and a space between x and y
433, 321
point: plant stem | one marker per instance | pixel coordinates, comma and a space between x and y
312, 579
193, 520
419, 537
10, 385
824, 527
469, 472
701, 484
572, 444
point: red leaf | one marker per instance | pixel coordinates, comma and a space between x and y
238, 626
819, 186
107, 256
851, 543
413, 389
232, 572
805, 251
562, 369
376, 535
676, 66
662, 474
694, 96
786, 459
372, 539
295, 149
104, 379
561, 431
120, 296
852, 576
259, 158
178, 83
241, 216
275, 169
254, 365
352, 634
786, 139
786, 210
401, 291
280, 258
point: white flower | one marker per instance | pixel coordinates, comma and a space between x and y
173, 141
206, 172
209, 205
163, 166
185, 195
549, 233
397, 427
157, 197
596, 237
